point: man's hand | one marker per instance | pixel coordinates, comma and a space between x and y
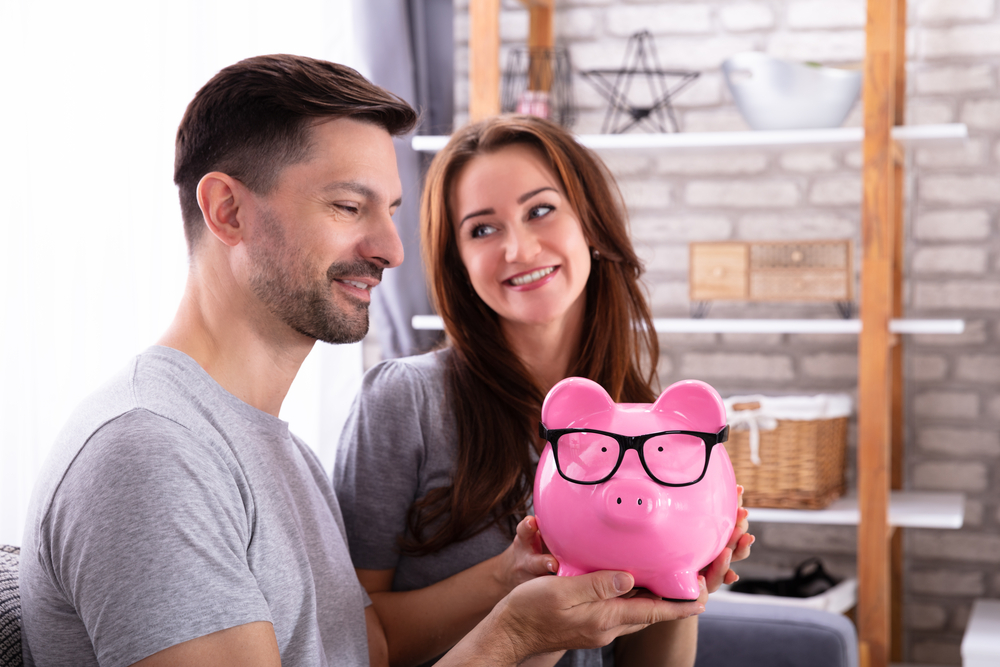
717, 572
554, 613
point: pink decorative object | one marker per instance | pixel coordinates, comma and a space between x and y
534, 103
601, 507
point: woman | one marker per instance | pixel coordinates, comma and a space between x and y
527, 250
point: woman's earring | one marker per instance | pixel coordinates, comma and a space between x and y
595, 254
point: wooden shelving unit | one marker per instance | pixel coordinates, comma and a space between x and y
879, 506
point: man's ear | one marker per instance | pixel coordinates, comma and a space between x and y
220, 197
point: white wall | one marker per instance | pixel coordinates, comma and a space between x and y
92, 255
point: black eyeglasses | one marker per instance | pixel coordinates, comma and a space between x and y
670, 458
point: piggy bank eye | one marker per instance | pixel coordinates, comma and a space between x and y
586, 456
675, 458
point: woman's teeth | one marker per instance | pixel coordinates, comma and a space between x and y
532, 277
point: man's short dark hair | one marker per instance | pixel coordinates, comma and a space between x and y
253, 118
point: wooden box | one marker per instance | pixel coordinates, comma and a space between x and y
772, 271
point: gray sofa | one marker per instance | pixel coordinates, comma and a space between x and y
732, 634
10, 608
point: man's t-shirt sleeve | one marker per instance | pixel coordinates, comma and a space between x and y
147, 538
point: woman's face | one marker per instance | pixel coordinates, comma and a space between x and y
520, 240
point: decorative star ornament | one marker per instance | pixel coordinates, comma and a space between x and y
661, 85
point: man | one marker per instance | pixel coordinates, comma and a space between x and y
178, 521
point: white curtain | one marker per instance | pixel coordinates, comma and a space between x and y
92, 256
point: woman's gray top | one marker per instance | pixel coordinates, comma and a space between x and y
398, 444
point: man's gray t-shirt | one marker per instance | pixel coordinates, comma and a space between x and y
168, 510
399, 442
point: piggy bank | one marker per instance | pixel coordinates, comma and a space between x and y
645, 488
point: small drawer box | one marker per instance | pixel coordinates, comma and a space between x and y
772, 271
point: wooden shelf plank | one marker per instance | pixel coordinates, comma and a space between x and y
765, 326
910, 135
908, 509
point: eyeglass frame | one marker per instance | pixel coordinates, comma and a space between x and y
627, 442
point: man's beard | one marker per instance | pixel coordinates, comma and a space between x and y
303, 302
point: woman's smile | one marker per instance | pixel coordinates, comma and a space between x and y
532, 279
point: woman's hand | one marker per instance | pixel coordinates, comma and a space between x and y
738, 548
525, 558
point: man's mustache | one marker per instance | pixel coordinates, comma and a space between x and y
358, 269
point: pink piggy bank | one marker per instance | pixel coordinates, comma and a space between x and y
645, 488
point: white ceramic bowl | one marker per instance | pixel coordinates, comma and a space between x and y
774, 94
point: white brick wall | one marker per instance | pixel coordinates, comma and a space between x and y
826, 14
960, 189
924, 616
952, 225
745, 16
942, 404
796, 224
959, 442
973, 40
934, 11
949, 80
945, 582
949, 476
622, 20
808, 161
954, 259
819, 46
742, 194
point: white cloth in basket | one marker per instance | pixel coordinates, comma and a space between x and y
773, 408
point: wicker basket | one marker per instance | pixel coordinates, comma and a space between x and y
801, 463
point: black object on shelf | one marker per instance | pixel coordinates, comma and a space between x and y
810, 579
641, 60
539, 82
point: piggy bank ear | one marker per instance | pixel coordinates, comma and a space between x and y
695, 403
574, 399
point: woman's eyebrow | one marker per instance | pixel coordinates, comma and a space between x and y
485, 211
528, 195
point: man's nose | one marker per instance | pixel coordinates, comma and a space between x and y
385, 247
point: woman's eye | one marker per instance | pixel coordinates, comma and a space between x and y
479, 231
540, 210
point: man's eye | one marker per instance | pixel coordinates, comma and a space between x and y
479, 231
348, 208
540, 210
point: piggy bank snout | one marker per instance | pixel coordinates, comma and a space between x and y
631, 502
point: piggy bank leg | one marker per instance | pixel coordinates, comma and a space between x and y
676, 586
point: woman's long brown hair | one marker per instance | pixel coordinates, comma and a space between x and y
496, 402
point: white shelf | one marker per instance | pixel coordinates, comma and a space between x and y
909, 509
909, 135
765, 326
981, 641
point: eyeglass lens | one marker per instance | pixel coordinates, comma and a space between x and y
674, 458
587, 457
